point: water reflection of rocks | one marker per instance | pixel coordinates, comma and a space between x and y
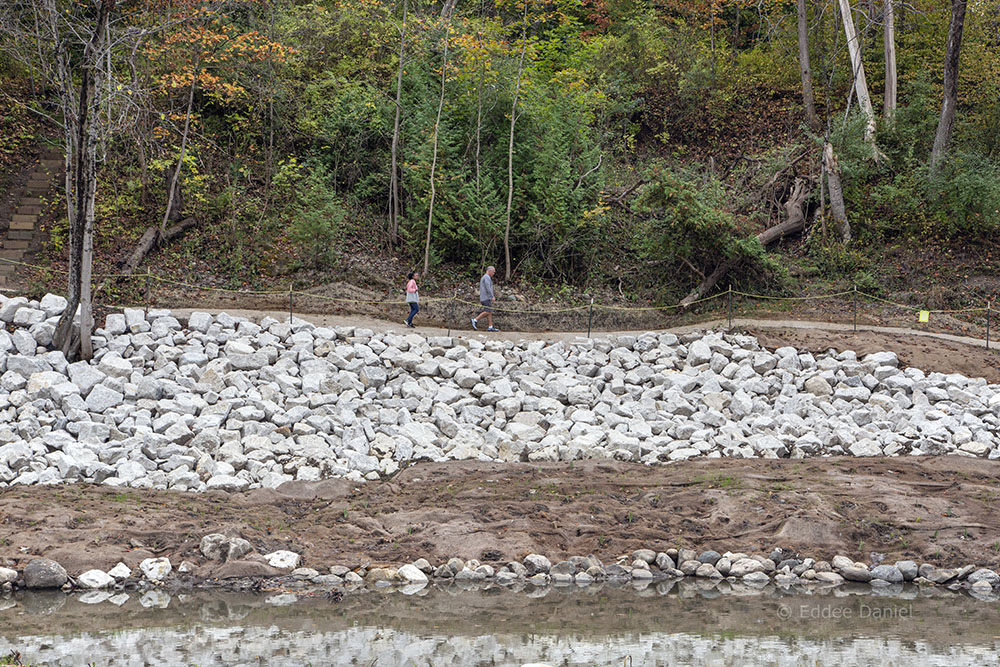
677, 622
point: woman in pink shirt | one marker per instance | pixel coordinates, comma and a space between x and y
412, 297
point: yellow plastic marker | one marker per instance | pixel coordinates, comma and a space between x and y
925, 316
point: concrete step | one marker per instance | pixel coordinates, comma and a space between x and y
41, 176
30, 201
25, 209
37, 190
12, 244
51, 164
6, 269
19, 235
11, 254
22, 227
27, 219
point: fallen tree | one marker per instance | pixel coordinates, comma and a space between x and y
795, 222
150, 239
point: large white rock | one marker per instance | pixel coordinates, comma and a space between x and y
283, 560
156, 569
228, 483
120, 572
85, 376
115, 324
699, 353
113, 365
9, 308
25, 317
95, 579
199, 321
412, 574
102, 399
53, 304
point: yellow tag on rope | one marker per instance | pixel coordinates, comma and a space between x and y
925, 316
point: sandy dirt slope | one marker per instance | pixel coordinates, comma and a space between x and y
940, 510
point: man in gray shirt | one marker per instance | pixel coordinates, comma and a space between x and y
486, 298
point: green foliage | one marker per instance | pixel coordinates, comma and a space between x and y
893, 196
866, 282
686, 225
966, 196
289, 149
310, 210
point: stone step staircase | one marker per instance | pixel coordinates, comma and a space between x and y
19, 238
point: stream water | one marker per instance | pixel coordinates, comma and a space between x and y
435, 627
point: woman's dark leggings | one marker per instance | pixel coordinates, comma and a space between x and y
414, 309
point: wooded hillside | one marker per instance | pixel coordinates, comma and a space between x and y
569, 142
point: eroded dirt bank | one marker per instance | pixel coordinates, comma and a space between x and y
940, 510
931, 355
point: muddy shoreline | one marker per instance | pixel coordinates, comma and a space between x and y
938, 510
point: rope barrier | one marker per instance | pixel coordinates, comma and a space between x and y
590, 307
918, 308
765, 297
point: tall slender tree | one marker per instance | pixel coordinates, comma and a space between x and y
942, 138
394, 207
889, 40
510, 143
808, 99
437, 125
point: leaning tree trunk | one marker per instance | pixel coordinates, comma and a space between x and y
837, 206
510, 146
808, 99
889, 38
858, 69
942, 138
437, 125
795, 221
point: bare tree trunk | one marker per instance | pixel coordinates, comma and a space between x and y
81, 111
269, 157
394, 176
510, 145
808, 99
947, 121
437, 125
180, 160
889, 38
858, 69
822, 199
86, 270
836, 193
479, 119
795, 221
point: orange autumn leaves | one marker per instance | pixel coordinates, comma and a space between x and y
205, 43
216, 50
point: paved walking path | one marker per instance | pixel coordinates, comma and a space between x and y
382, 326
